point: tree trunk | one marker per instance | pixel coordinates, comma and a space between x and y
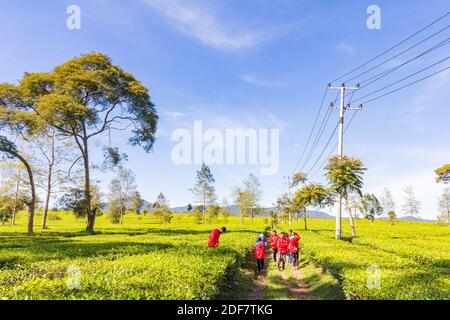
16, 196
49, 184
87, 188
290, 218
304, 219
31, 204
47, 198
352, 224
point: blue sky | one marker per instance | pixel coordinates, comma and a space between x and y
252, 64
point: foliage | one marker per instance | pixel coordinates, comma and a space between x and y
370, 206
74, 200
7, 207
345, 175
392, 217
137, 202
443, 173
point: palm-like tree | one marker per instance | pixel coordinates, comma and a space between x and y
345, 177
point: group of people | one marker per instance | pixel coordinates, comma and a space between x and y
285, 247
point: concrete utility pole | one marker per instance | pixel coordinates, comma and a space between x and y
342, 109
287, 180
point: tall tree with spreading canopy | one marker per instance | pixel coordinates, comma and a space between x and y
345, 176
83, 98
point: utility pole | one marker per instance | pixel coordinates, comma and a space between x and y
287, 180
342, 109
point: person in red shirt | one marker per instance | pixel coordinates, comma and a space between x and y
259, 250
282, 245
273, 244
293, 248
214, 237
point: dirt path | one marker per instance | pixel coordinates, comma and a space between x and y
291, 280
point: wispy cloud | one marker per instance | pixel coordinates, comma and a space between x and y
174, 114
256, 81
202, 23
345, 48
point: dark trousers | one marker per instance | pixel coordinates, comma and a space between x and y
295, 259
260, 264
274, 254
281, 261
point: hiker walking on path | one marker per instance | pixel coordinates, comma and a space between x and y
274, 244
260, 253
282, 246
293, 248
214, 237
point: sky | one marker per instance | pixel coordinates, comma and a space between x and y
255, 64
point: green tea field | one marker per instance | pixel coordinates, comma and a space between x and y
143, 259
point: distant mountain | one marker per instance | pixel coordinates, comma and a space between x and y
409, 218
235, 212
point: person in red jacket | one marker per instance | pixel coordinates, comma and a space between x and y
260, 253
293, 248
214, 237
282, 245
273, 244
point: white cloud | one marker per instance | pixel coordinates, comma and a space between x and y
174, 114
254, 80
345, 48
202, 23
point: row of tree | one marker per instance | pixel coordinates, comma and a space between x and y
79, 100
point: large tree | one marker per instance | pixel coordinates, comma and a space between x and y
411, 205
444, 205
11, 151
313, 194
83, 98
371, 206
345, 177
204, 189
252, 186
121, 190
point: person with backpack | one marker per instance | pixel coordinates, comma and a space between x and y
293, 248
260, 253
282, 246
273, 244
215, 236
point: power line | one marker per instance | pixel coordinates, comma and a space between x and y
313, 128
383, 74
407, 85
318, 137
403, 79
393, 47
399, 54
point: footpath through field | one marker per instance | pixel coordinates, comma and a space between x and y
273, 284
